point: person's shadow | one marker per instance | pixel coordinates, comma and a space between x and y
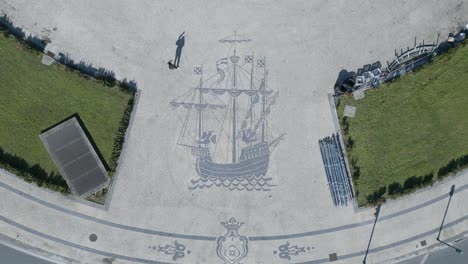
180, 44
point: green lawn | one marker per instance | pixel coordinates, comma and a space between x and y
34, 96
410, 127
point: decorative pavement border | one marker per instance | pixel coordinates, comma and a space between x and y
141, 260
213, 238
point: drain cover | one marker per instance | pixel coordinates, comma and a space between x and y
93, 237
333, 257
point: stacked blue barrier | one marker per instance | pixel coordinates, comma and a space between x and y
335, 170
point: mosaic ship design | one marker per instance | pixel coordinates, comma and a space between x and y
225, 122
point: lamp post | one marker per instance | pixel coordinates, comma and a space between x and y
459, 251
376, 214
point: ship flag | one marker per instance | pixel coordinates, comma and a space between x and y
197, 70
219, 63
260, 63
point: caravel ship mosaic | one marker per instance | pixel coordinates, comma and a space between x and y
225, 122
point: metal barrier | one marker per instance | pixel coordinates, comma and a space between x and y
335, 170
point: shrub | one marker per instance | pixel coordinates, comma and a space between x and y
395, 188
349, 143
377, 196
452, 166
345, 124
120, 138
34, 173
427, 179
412, 182
355, 170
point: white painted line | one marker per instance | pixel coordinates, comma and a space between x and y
424, 259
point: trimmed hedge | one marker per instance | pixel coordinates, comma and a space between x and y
32, 173
377, 197
452, 166
413, 183
32, 41
120, 138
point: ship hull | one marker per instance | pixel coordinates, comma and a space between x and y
255, 166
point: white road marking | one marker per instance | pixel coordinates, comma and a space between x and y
424, 259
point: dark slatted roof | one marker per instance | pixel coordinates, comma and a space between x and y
75, 157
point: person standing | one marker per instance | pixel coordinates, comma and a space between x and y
180, 44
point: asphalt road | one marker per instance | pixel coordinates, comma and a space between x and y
12, 256
446, 256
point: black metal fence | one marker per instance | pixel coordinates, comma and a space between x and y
408, 67
371, 76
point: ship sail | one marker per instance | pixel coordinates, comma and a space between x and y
197, 106
235, 92
220, 69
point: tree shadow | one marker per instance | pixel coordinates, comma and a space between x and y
107, 76
34, 41
100, 73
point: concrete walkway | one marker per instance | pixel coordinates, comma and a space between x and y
153, 217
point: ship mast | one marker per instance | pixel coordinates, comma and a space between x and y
234, 60
264, 101
200, 101
251, 88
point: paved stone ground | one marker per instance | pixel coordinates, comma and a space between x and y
306, 43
